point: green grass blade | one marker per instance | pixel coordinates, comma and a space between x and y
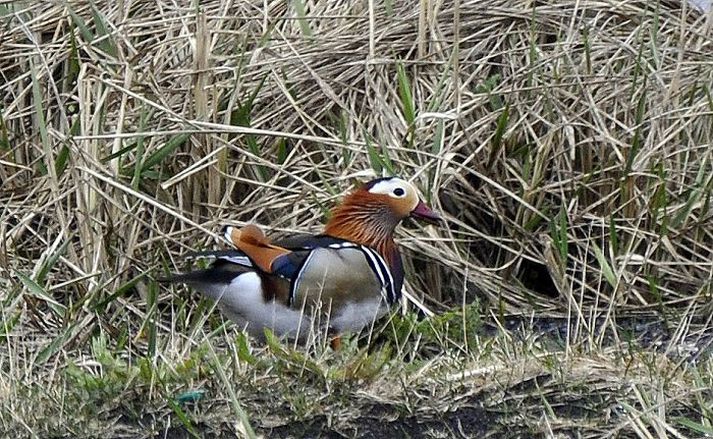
696, 426
8, 323
4, 138
55, 345
377, 163
79, 22
37, 101
185, 420
237, 408
500, 127
407, 104
694, 195
49, 262
301, 18
165, 151
107, 43
37, 291
604, 265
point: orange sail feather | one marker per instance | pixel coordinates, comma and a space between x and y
252, 241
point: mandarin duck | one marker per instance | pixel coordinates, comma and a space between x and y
342, 280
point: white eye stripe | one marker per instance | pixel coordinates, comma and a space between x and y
394, 187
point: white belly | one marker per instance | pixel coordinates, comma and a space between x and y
354, 316
242, 302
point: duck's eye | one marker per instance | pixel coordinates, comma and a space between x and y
399, 192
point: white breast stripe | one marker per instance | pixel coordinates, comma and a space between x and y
298, 278
342, 245
378, 265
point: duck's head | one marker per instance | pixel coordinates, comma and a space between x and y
373, 211
400, 197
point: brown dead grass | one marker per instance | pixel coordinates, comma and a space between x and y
568, 144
